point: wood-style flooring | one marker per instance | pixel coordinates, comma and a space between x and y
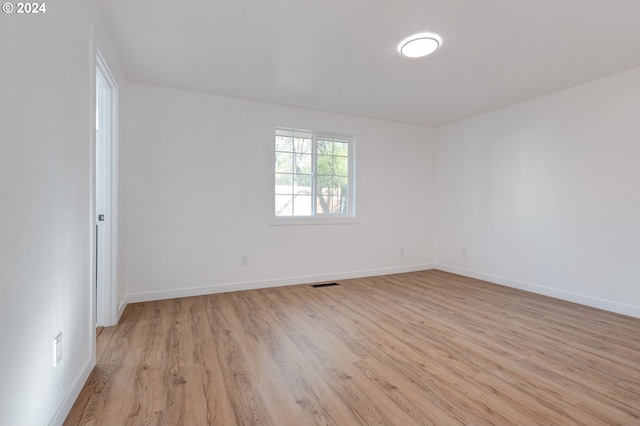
423, 348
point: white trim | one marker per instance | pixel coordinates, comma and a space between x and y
276, 282
91, 323
279, 282
70, 398
108, 309
607, 305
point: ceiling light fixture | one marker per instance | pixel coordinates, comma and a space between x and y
419, 45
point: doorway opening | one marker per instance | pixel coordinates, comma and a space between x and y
106, 194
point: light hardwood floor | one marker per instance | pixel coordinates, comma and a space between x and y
419, 348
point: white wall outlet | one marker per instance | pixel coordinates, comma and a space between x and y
401, 251
57, 349
463, 252
244, 260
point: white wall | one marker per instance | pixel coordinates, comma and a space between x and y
46, 116
197, 197
545, 195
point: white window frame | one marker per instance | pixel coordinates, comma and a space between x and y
315, 219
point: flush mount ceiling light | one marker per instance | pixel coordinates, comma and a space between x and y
419, 45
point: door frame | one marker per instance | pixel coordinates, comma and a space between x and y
106, 312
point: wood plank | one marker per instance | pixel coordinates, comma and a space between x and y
424, 348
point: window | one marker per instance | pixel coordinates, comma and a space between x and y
313, 176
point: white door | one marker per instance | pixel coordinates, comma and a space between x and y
106, 186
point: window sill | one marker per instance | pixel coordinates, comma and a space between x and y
293, 221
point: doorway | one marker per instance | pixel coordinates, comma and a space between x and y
106, 194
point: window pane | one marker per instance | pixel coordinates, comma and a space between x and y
284, 183
342, 204
284, 143
324, 204
325, 165
302, 184
302, 145
284, 205
302, 205
284, 179
284, 162
340, 183
324, 197
341, 166
331, 205
324, 183
341, 149
325, 147
303, 164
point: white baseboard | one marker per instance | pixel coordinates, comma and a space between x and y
607, 305
70, 398
251, 285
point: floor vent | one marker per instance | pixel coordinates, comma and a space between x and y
323, 285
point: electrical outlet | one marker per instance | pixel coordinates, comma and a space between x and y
463, 252
57, 349
244, 260
401, 251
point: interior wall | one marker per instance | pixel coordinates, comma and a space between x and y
46, 117
544, 195
197, 183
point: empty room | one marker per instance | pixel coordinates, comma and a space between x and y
320, 213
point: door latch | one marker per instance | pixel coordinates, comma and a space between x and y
100, 218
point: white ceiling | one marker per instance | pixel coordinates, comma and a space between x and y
340, 55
